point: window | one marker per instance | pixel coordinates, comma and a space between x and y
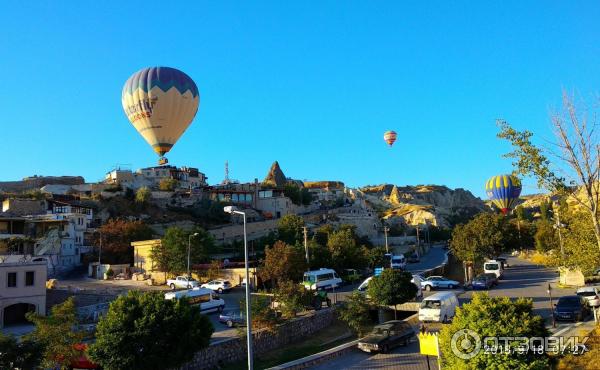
12, 279
29, 278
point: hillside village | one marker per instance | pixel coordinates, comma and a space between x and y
57, 218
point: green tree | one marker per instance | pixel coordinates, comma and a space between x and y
171, 255
345, 252
25, 354
579, 242
319, 255
263, 315
355, 313
578, 158
376, 257
487, 235
117, 236
289, 229
545, 237
321, 235
56, 335
283, 262
493, 317
391, 288
293, 298
142, 195
545, 207
146, 331
168, 184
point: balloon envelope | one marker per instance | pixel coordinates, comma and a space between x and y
390, 137
160, 102
503, 190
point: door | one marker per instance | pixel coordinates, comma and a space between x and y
15, 314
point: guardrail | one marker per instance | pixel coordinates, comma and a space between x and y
331, 353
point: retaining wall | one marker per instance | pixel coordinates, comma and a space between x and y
234, 350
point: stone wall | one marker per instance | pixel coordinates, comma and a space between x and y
233, 350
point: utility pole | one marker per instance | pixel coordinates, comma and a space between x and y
385, 231
558, 225
305, 229
418, 239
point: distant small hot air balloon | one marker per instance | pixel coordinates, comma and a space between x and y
160, 102
390, 137
503, 190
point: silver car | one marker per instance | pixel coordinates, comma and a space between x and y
591, 294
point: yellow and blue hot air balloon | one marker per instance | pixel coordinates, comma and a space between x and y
503, 190
160, 102
390, 137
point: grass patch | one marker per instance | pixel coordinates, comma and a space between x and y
311, 345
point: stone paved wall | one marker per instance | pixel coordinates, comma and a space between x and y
233, 350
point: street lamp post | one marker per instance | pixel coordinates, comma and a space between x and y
188, 256
551, 306
233, 210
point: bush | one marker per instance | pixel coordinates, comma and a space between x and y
292, 297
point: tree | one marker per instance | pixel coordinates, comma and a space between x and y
171, 255
577, 159
56, 335
355, 312
142, 195
117, 236
493, 317
391, 288
579, 242
545, 237
292, 297
321, 235
25, 354
263, 316
283, 262
289, 229
345, 253
545, 207
147, 331
486, 236
376, 257
319, 255
168, 184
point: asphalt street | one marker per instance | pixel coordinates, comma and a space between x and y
522, 279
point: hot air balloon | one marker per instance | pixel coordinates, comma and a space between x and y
160, 102
503, 190
390, 137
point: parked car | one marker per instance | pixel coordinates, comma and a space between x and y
206, 299
483, 281
437, 282
571, 307
386, 336
218, 285
439, 307
494, 267
350, 276
321, 279
398, 261
591, 294
492, 277
364, 285
233, 318
413, 258
183, 282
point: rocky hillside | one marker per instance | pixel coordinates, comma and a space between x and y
421, 204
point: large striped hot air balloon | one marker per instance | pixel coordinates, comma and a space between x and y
160, 102
390, 137
503, 190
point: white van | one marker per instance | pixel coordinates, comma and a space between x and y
205, 298
493, 267
398, 262
321, 279
365, 284
439, 307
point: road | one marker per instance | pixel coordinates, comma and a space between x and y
522, 279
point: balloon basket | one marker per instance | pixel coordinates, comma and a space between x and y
162, 161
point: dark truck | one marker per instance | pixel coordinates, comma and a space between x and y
386, 336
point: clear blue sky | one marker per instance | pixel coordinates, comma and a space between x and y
312, 84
